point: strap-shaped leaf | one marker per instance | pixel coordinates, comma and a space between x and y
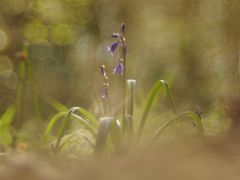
192, 115
107, 126
85, 123
8, 116
5, 123
89, 124
51, 124
87, 115
55, 104
195, 118
153, 94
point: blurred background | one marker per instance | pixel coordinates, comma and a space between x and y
193, 44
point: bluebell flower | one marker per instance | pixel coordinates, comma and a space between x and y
118, 69
113, 47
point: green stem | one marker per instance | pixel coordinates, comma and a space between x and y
35, 99
20, 92
98, 103
131, 88
110, 106
124, 90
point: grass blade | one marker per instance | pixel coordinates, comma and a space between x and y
89, 125
153, 94
51, 124
5, 122
7, 117
196, 119
192, 115
86, 124
87, 115
64, 125
56, 104
161, 128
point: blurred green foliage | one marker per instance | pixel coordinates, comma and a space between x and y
194, 45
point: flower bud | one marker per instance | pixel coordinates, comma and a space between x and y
123, 28
115, 35
103, 71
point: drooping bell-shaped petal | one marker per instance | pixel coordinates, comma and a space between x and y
113, 47
123, 28
118, 69
115, 35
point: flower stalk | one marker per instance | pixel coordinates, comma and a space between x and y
105, 93
120, 68
131, 85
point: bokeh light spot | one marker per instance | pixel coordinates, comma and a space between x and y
8, 79
62, 34
36, 32
3, 40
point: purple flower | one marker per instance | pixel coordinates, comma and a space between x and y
113, 48
123, 28
115, 35
118, 69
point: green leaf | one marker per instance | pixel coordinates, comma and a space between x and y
90, 125
5, 122
51, 124
63, 127
87, 115
56, 104
195, 118
192, 115
8, 116
85, 123
104, 128
153, 94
